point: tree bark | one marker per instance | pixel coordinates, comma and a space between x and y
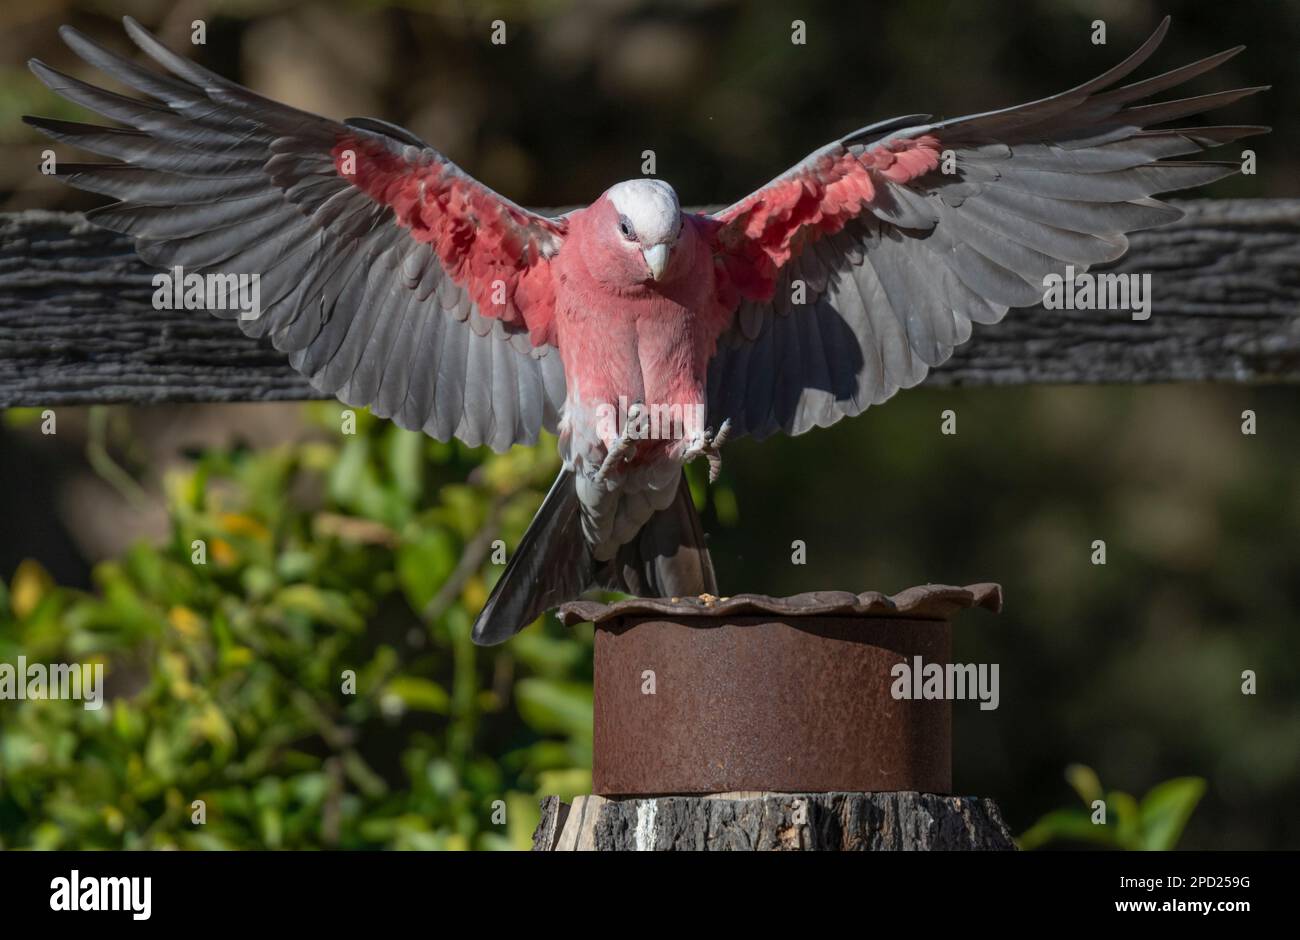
77, 324
836, 822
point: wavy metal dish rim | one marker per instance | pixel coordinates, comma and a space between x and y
923, 602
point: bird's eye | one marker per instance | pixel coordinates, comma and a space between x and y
625, 227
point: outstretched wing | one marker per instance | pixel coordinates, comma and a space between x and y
391, 277
903, 234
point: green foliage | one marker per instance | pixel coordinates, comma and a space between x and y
1153, 824
225, 679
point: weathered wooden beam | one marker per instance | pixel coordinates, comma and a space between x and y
77, 325
835, 822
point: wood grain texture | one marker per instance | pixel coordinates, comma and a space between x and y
77, 325
834, 822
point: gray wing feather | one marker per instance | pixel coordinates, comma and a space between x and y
1051, 183
214, 175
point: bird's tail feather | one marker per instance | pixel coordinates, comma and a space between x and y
553, 563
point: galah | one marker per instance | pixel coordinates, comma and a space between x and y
394, 280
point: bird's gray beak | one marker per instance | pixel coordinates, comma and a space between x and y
656, 259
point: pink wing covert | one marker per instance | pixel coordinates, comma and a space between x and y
499, 251
865, 265
393, 279
761, 234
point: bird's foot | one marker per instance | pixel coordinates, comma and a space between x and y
708, 445
618, 451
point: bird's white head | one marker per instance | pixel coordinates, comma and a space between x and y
649, 217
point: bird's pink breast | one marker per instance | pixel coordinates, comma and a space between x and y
647, 342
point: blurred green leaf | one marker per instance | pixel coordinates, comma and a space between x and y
329, 607
419, 694
1085, 782
287, 678
1069, 825
1165, 810
423, 564
551, 705
1156, 823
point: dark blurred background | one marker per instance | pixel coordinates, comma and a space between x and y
1133, 669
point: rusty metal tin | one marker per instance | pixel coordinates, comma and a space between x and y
773, 694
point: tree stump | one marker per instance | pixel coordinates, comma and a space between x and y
746, 822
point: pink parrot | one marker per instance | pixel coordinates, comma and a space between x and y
394, 280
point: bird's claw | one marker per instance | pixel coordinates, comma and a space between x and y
618, 451
709, 445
